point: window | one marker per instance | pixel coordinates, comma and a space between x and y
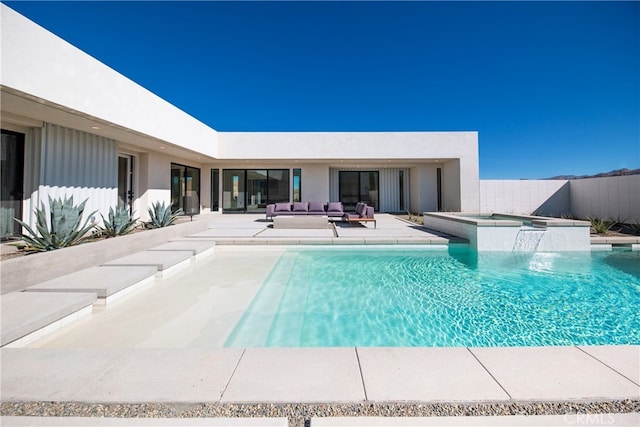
215, 189
185, 188
297, 182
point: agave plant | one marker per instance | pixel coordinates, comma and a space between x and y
63, 228
600, 226
161, 215
120, 222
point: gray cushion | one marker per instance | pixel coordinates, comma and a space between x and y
300, 206
335, 207
283, 207
316, 206
368, 212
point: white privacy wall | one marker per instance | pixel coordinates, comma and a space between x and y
614, 198
544, 197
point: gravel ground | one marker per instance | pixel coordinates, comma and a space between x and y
297, 413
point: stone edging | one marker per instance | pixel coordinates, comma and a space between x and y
298, 413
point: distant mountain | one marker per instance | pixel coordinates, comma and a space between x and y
617, 172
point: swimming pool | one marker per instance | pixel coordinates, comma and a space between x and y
455, 297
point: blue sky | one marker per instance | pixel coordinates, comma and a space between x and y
552, 88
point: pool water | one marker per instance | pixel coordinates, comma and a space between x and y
444, 298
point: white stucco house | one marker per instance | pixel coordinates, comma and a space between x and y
73, 126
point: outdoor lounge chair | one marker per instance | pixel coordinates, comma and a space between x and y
363, 213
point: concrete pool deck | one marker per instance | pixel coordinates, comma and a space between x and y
112, 364
303, 382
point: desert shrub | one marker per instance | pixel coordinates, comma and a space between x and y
600, 226
63, 229
161, 215
119, 223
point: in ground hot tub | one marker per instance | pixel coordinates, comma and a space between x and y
503, 232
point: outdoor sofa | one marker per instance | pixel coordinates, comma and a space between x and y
363, 213
331, 209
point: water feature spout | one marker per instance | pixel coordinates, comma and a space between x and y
528, 239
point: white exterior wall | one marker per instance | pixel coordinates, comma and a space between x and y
467, 168
154, 181
205, 187
377, 146
314, 183
613, 198
456, 152
544, 197
452, 189
41, 64
424, 189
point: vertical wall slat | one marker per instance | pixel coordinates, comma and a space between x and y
81, 165
32, 159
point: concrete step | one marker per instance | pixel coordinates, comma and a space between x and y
27, 316
199, 248
164, 261
107, 282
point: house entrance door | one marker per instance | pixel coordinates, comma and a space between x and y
125, 182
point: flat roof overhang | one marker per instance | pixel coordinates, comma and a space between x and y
332, 162
26, 110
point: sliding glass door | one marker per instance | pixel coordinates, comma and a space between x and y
233, 190
278, 185
257, 184
251, 190
359, 186
11, 182
185, 189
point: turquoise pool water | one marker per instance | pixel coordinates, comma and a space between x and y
455, 297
